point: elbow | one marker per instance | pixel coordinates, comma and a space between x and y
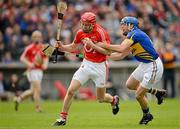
45, 68
117, 50
108, 53
122, 49
45, 65
114, 59
21, 59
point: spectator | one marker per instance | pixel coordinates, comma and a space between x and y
159, 18
169, 59
13, 85
9, 87
36, 62
3, 96
7, 59
2, 46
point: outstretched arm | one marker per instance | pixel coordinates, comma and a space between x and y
68, 48
45, 63
118, 56
99, 49
24, 60
118, 48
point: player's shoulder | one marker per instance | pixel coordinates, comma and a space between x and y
79, 32
99, 27
135, 33
100, 30
30, 46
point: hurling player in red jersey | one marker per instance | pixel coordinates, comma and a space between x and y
36, 62
93, 67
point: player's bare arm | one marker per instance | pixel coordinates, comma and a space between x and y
118, 55
24, 60
99, 49
68, 48
45, 63
118, 48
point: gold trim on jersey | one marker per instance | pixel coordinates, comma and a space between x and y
138, 51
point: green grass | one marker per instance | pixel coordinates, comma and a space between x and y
90, 115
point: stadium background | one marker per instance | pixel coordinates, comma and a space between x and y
19, 18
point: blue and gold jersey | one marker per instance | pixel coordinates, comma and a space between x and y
142, 47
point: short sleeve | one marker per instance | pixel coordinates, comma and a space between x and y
77, 38
107, 38
26, 51
104, 35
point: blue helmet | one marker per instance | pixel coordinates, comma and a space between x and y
129, 20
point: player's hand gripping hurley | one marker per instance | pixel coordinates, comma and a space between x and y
61, 8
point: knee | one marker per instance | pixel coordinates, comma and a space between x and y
70, 92
131, 86
128, 86
139, 96
38, 90
31, 92
100, 100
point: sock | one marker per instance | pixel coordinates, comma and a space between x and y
63, 116
145, 111
113, 101
155, 92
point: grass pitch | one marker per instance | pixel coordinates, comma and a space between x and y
90, 115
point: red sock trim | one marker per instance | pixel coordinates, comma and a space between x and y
63, 115
113, 100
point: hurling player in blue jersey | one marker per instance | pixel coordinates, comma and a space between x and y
150, 69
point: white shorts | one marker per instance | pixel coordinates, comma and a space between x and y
97, 72
149, 73
35, 75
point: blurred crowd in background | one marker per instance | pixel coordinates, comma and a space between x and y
19, 18
160, 19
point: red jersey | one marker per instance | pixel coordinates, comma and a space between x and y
98, 34
32, 52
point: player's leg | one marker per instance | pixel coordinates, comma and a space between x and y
74, 86
140, 96
104, 97
132, 83
26, 94
22, 97
154, 75
99, 77
159, 93
79, 78
135, 78
37, 94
